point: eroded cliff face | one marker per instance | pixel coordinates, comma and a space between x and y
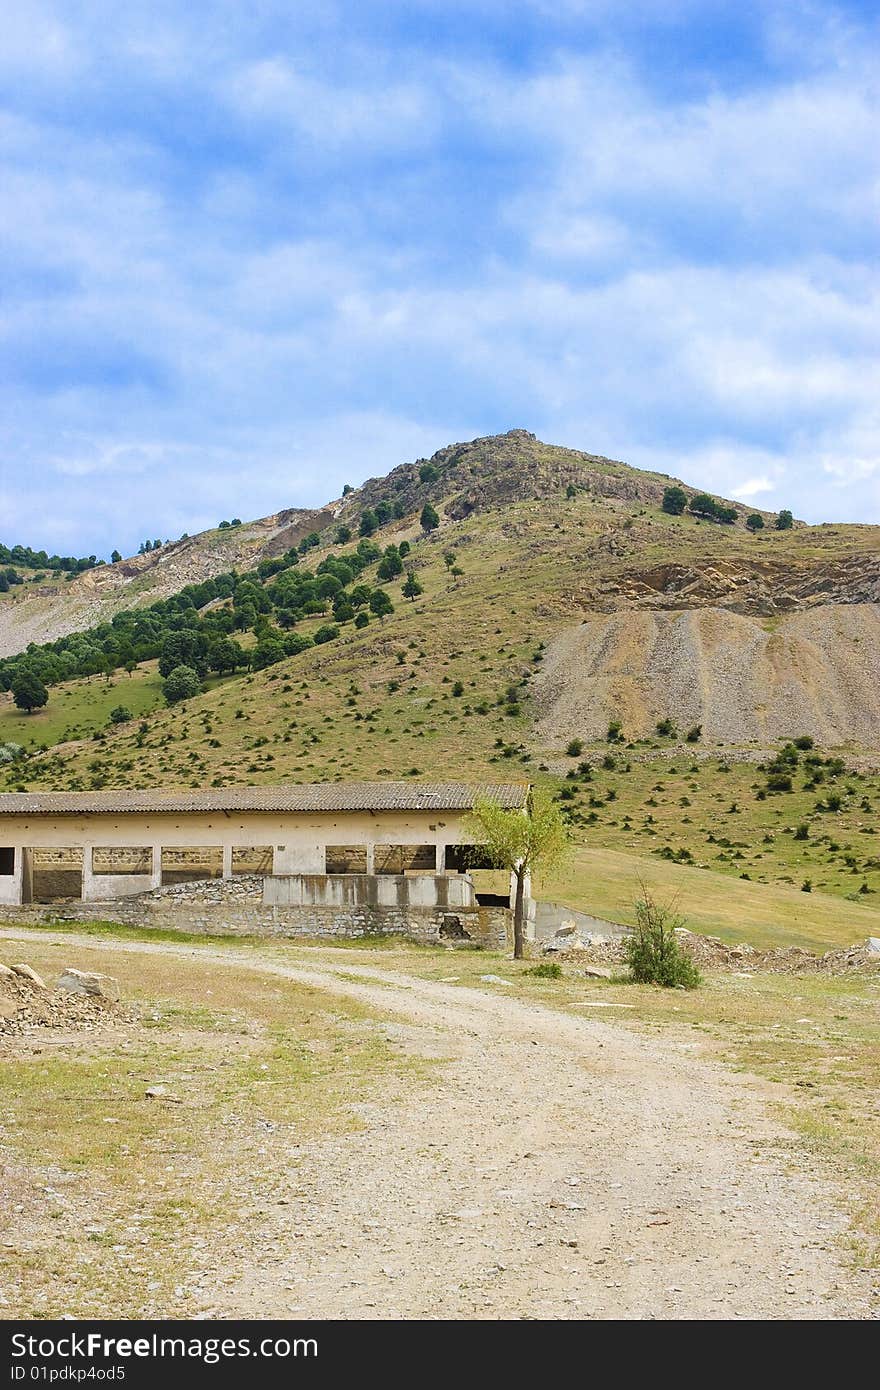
812, 671
755, 586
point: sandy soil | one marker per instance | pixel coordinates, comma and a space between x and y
561, 1168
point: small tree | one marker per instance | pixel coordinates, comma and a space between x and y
674, 500
390, 565
380, 603
784, 521
412, 588
701, 504
755, 522
115, 557
183, 683
28, 691
368, 523
429, 519
653, 951
120, 714
520, 842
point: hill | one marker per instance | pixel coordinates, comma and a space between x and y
556, 598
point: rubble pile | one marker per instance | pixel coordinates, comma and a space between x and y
80, 1000
710, 953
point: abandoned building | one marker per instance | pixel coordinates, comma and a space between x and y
325, 858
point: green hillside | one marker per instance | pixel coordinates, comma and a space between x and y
531, 541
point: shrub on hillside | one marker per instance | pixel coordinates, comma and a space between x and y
653, 952
183, 683
674, 501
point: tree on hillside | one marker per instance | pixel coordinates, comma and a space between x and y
183, 648
28, 691
183, 683
429, 520
784, 521
755, 522
267, 651
115, 557
520, 842
390, 565
428, 473
674, 500
412, 588
226, 656
701, 504
369, 522
380, 603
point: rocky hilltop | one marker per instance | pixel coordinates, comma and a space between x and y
552, 573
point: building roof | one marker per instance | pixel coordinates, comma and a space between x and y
316, 797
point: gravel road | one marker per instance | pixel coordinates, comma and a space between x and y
557, 1167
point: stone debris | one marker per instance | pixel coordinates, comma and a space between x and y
28, 1006
592, 952
87, 982
26, 973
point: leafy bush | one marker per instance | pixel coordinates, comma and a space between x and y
674, 501
547, 970
183, 683
120, 715
653, 951
695, 734
779, 782
574, 748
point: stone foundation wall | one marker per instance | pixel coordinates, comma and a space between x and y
181, 909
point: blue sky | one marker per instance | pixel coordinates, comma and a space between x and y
252, 252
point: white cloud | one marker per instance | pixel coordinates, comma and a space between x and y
327, 260
752, 487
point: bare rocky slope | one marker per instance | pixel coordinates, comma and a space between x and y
815, 671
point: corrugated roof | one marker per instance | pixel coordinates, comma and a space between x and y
289, 797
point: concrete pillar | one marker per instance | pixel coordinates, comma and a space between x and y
88, 878
441, 859
227, 861
371, 860
156, 868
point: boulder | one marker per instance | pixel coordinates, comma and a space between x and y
872, 945
26, 973
87, 982
6, 973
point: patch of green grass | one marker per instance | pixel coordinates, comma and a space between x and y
607, 883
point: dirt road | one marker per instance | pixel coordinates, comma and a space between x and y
560, 1168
